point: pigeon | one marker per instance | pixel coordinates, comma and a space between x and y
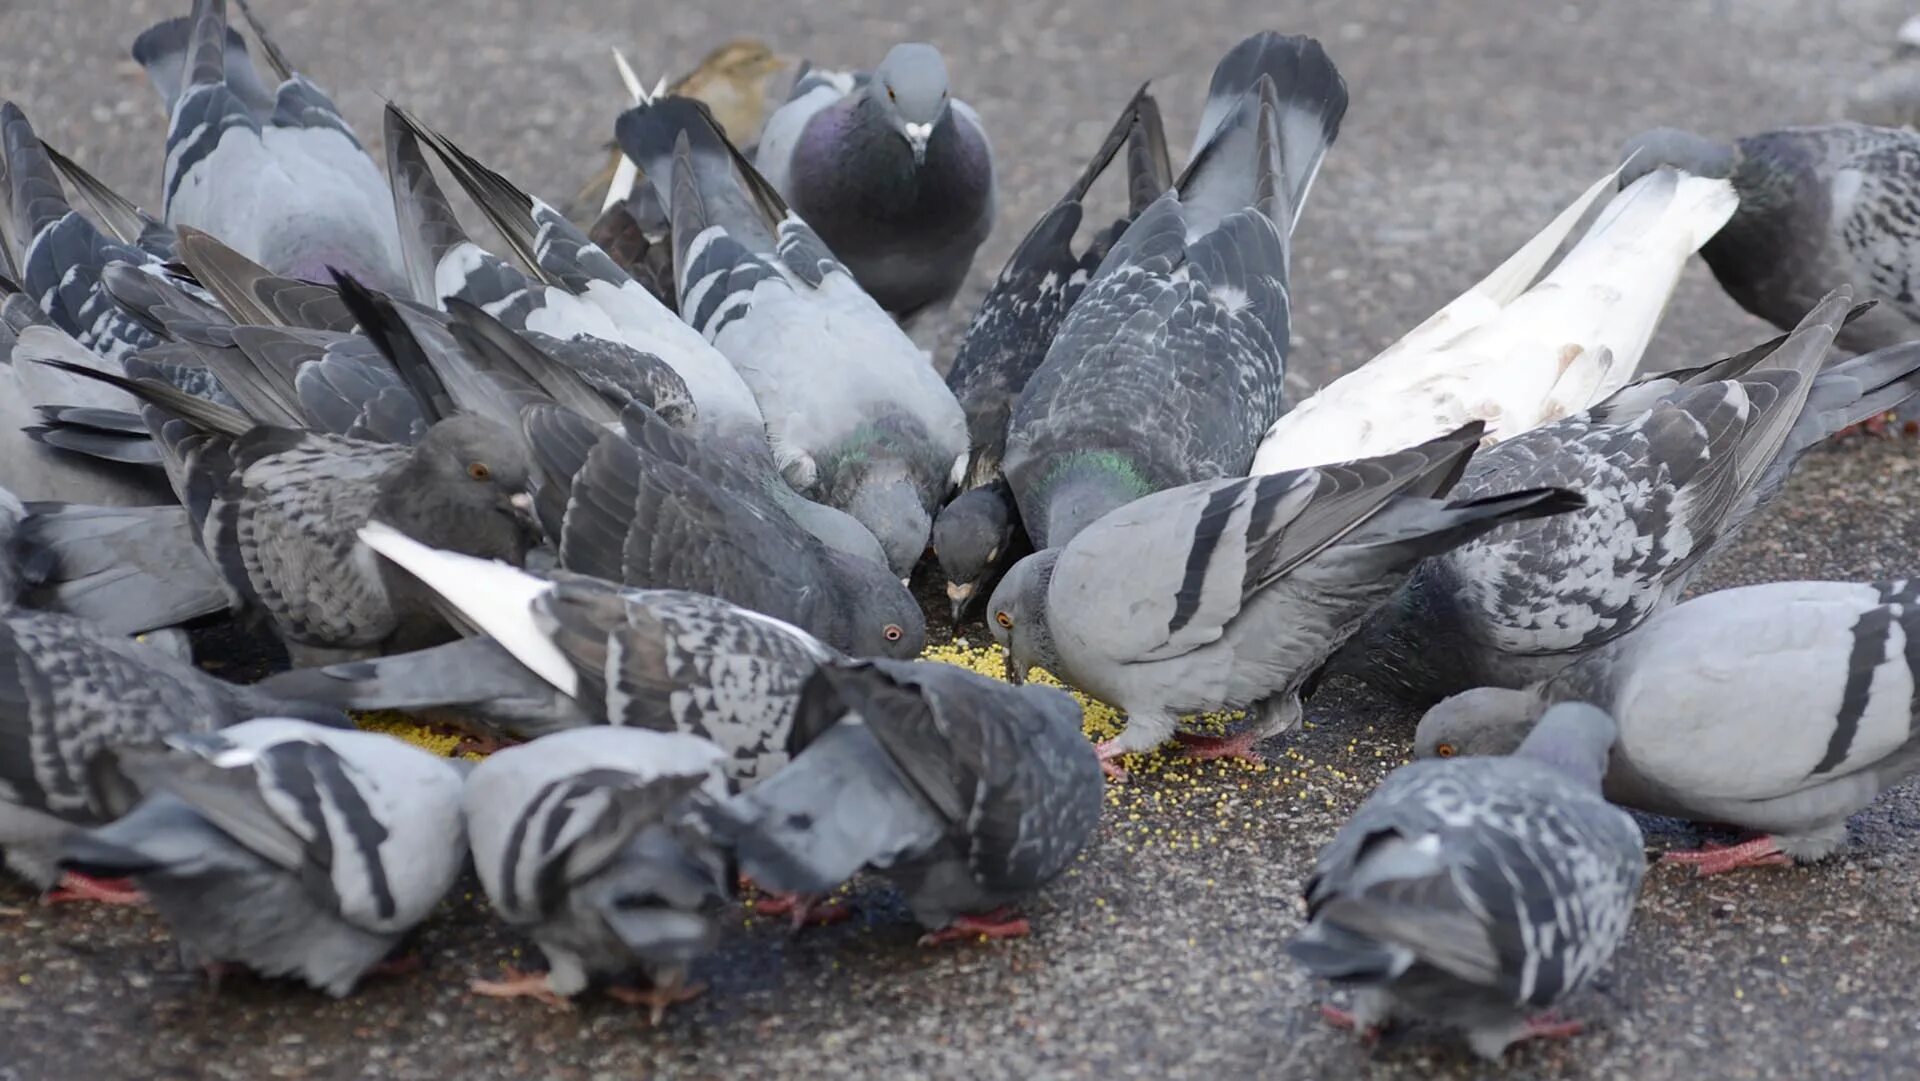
276, 173
573, 651
1171, 363
1475, 891
979, 534
1231, 594
276, 510
1820, 207
1780, 709
616, 511
67, 437
70, 691
582, 839
894, 173
1513, 353
856, 414
967, 794
1671, 467
289, 848
125, 570
1890, 95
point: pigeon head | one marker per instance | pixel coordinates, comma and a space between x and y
1574, 738
1483, 721
466, 489
1017, 616
887, 503
969, 537
1682, 150
661, 896
910, 86
886, 620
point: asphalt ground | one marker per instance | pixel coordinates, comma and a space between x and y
1160, 954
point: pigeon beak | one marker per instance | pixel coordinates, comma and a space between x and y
959, 593
1016, 671
917, 136
522, 502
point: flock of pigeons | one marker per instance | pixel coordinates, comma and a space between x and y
646, 497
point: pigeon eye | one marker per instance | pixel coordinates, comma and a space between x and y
1005, 620
891, 96
479, 471
893, 632
1445, 750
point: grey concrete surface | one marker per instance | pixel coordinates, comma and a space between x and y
1160, 954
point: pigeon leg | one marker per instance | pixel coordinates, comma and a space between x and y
1878, 427
803, 909
1550, 1026
1711, 859
1109, 753
1339, 1018
518, 984
1000, 923
658, 999
105, 891
1239, 745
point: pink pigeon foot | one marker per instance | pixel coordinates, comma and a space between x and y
1000, 923
1344, 1019
1713, 859
102, 891
517, 984
804, 910
1235, 746
1110, 753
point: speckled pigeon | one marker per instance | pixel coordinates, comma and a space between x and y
289, 848
583, 841
69, 691
968, 794
1231, 594
857, 416
1671, 467
1171, 363
891, 170
1779, 708
1476, 891
276, 173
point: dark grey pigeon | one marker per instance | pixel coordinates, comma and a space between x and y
275, 173
583, 841
1672, 468
572, 651
891, 170
618, 512
857, 417
1477, 891
968, 794
1171, 365
291, 849
978, 534
68, 692
1231, 594
1780, 709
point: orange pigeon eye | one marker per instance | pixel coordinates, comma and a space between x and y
479, 471
1445, 750
893, 632
1005, 620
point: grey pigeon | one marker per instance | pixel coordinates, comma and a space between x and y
68, 692
894, 173
979, 534
857, 417
276, 173
126, 570
291, 849
1171, 364
1672, 468
1475, 891
1780, 709
968, 794
582, 841
619, 512
1231, 594
573, 651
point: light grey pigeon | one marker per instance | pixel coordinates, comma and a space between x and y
1476, 891
857, 416
583, 841
275, 173
979, 533
1171, 364
69, 691
276, 509
573, 651
1231, 594
1672, 468
894, 173
289, 848
968, 794
1780, 709
618, 511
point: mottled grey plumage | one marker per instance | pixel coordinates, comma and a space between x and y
968, 794
1672, 468
582, 840
1820, 207
1231, 594
620, 512
69, 691
292, 849
890, 170
1779, 708
1474, 891
1171, 365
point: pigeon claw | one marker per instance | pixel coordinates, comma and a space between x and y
657, 1000
1550, 1026
1109, 752
1344, 1019
1235, 746
103, 891
1712, 859
802, 909
517, 984
1000, 923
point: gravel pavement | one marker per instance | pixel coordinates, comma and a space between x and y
1159, 956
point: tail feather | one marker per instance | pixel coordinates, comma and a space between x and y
127, 569
1413, 528
127, 222
33, 188
429, 228
684, 154
207, 43
1149, 164
163, 50
275, 58
1332, 952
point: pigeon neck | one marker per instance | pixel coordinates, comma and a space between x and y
1574, 739
1085, 487
1397, 651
